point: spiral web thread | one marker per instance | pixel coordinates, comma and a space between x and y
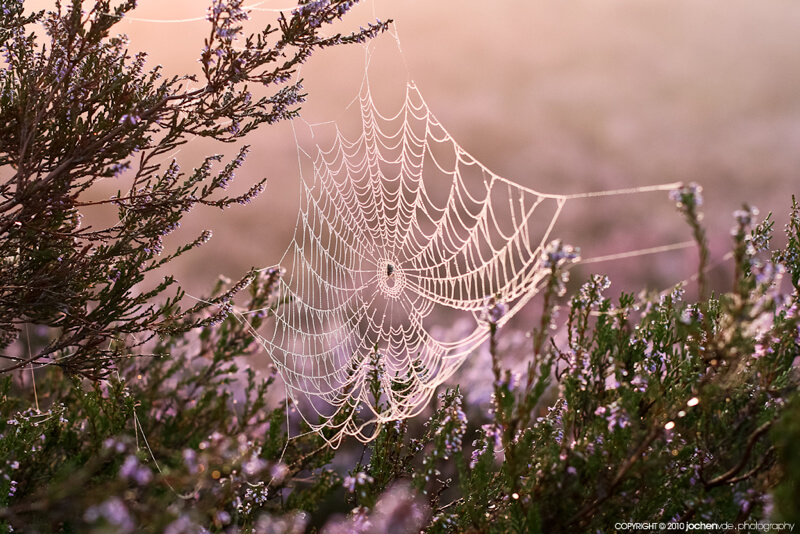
399, 228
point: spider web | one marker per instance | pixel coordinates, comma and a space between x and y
399, 227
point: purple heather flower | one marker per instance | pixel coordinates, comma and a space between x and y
493, 310
131, 470
399, 510
687, 197
492, 436
639, 383
615, 416
360, 479
293, 523
114, 512
183, 525
251, 194
190, 460
508, 380
745, 218
591, 291
223, 517
556, 254
205, 237
119, 168
254, 465
130, 118
278, 471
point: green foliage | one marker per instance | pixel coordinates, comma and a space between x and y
186, 427
664, 410
80, 108
790, 256
654, 407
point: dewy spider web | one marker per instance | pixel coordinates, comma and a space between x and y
398, 226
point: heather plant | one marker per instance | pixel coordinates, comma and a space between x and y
180, 440
79, 109
666, 411
82, 307
124, 412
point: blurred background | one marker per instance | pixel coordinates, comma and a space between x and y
562, 97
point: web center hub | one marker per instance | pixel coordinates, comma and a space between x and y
391, 278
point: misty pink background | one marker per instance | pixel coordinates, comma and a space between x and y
563, 97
